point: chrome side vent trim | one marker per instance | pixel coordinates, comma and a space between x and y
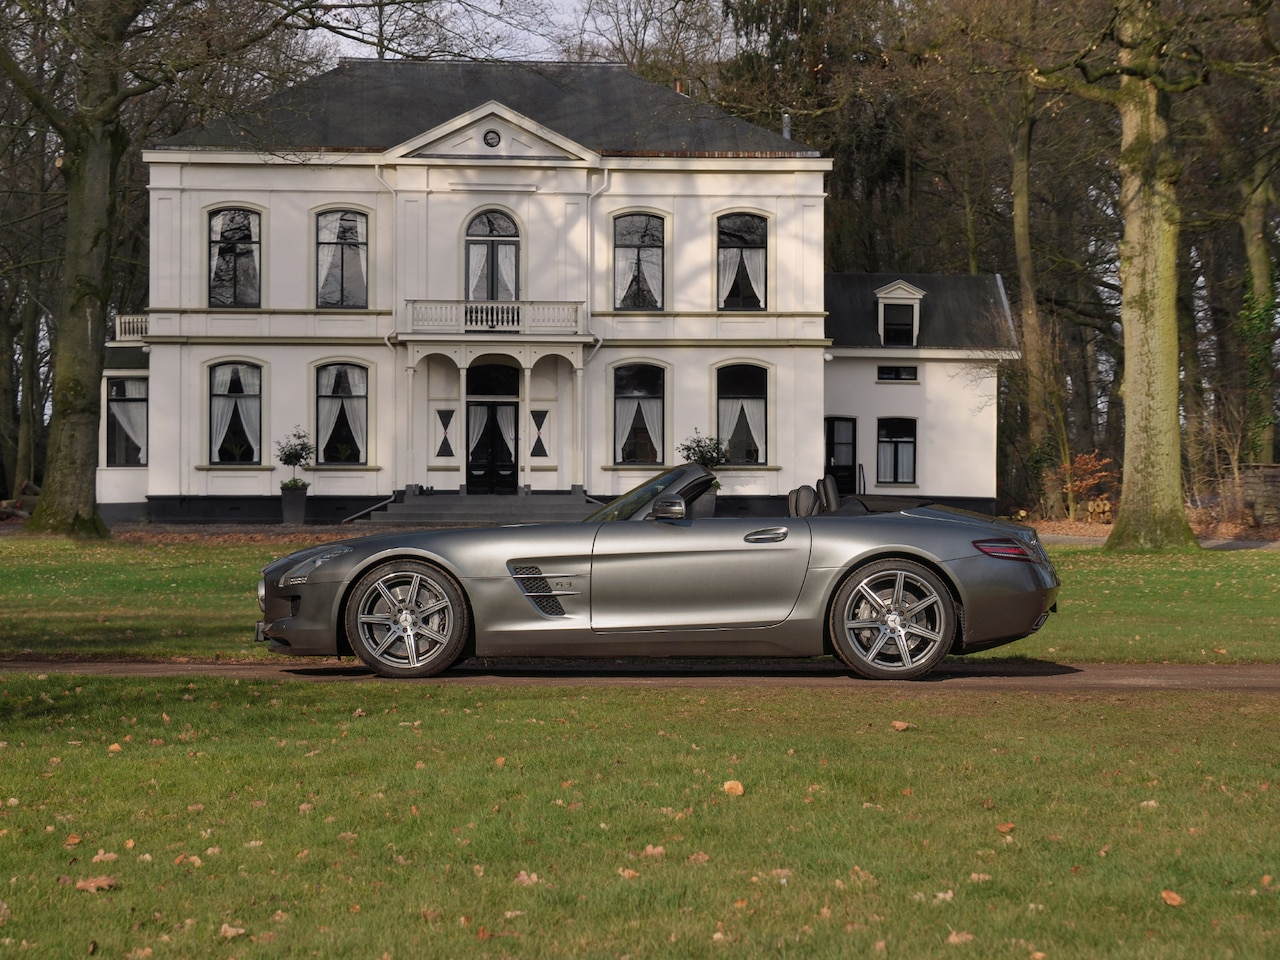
533, 583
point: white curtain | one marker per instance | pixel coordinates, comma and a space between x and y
507, 426
506, 271
342, 258
906, 462
754, 408
477, 417
651, 267
651, 410
220, 409
357, 407
728, 260
250, 407
623, 270
755, 258
132, 417
624, 415
216, 223
884, 462
327, 406
479, 256
729, 411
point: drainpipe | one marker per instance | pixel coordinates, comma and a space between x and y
404, 468
580, 413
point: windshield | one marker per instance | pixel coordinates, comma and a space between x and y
625, 506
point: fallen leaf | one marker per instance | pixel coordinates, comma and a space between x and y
228, 932
1005, 827
1171, 898
525, 879
979, 877
651, 851
103, 857
500, 762
733, 788
627, 873
94, 884
698, 858
958, 937
114, 748
901, 725
72, 840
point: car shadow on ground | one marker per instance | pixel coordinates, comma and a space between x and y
703, 668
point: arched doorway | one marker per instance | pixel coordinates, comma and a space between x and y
493, 417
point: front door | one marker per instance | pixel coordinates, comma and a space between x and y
841, 447
491, 446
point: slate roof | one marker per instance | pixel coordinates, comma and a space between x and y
373, 105
957, 312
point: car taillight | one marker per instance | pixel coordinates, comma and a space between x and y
1007, 549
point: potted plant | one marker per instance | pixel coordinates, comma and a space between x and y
293, 451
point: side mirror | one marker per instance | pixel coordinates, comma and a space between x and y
669, 507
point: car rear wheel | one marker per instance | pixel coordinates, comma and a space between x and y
892, 620
407, 619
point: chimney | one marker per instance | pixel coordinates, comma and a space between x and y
679, 87
786, 126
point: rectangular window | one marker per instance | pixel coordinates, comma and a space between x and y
896, 450
899, 325
637, 262
235, 413
235, 258
126, 422
638, 415
342, 413
342, 260
895, 373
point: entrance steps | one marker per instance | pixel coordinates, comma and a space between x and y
459, 510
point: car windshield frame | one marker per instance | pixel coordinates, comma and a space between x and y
630, 503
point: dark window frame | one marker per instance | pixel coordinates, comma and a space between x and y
123, 448
741, 392
342, 249
639, 436
235, 258
741, 232
634, 289
892, 438
349, 404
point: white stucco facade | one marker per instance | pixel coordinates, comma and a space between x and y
417, 340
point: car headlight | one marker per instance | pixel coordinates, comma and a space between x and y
299, 572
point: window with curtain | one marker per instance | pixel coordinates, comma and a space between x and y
638, 413
126, 422
235, 413
638, 240
742, 391
896, 450
342, 413
493, 257
342, 260
235, 258
743, 256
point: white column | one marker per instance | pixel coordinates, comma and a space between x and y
462, 413
524, 430
579, 452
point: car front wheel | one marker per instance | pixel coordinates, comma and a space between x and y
406, 619
892, 620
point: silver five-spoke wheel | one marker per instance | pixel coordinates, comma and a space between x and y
406, 619
892, 619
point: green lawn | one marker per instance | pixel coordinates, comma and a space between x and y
200, 818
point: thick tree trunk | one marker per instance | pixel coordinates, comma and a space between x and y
1258, 198
68, 502
1152, 514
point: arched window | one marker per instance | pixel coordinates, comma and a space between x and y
742, 390
235, 413
743, 258
638, 414
637, 262
342, 413
342, 260
235, 258
493, 257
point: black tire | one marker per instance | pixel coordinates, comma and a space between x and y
892, 620
407, 619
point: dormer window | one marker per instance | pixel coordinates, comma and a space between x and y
899, 310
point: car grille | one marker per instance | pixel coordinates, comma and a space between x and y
535, 587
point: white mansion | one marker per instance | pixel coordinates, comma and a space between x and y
481, 278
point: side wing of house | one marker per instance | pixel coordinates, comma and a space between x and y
911, 384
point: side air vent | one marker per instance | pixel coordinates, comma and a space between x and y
539, 592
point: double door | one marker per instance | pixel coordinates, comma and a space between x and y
491, 446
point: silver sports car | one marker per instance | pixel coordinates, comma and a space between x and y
889, 588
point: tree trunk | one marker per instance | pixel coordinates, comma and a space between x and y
68, 502
1152, 514
1258, 197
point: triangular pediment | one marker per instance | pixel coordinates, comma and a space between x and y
899, 290
494, 132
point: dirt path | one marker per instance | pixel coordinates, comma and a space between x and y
954, 674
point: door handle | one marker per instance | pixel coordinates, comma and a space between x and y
767, 535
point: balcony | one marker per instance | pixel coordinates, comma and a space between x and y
130, 326
510, 317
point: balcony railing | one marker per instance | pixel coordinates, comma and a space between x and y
131, 326
494, 316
